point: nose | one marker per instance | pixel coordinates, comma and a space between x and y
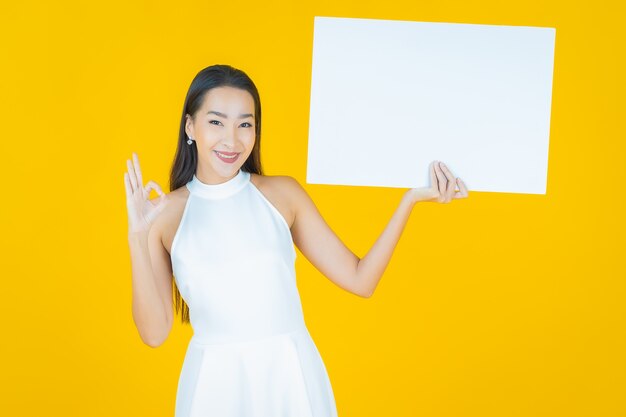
230, 138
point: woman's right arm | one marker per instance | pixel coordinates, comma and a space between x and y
151, 287
151, 270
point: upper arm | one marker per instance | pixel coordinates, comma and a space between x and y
319, 243
162, 271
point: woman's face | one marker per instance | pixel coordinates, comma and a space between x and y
224, 126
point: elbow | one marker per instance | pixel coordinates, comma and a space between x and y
154, 340
153, 343
358, 287
364, 293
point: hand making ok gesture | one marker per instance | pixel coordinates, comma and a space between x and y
141, 211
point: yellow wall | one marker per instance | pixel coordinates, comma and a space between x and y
499, 305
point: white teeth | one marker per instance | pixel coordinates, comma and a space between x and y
225, 156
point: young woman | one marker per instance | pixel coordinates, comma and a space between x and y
226, 233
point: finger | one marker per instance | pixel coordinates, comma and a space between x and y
463, 193
129, 191
153, 186
131, 174
137, 169
442, 182
451, 181
433, 175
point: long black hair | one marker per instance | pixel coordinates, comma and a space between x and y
186, 158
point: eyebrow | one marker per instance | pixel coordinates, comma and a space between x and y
241, 116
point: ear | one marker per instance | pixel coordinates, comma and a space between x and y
189, 126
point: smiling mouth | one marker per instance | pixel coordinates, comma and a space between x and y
227, 156
227, 153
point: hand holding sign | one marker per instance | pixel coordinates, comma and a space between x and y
442, 187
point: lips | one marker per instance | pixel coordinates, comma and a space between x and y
228, 157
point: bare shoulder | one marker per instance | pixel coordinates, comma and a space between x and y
280, 183
281, 191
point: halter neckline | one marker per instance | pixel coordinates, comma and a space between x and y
221, 190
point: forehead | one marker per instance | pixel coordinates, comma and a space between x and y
225, 98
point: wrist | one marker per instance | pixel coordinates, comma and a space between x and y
411, 197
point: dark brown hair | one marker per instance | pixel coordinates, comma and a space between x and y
186, 159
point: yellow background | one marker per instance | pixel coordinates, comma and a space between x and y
498, 305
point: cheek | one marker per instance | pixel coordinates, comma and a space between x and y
250, 140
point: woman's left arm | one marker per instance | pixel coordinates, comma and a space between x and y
323, 248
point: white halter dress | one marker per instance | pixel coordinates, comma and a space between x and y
251, 354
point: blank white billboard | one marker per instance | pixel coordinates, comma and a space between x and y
388, 97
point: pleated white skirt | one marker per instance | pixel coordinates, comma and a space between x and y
277, 376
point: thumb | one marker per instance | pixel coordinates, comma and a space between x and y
157, 210
161, 204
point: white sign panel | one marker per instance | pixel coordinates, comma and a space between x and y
388, 97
